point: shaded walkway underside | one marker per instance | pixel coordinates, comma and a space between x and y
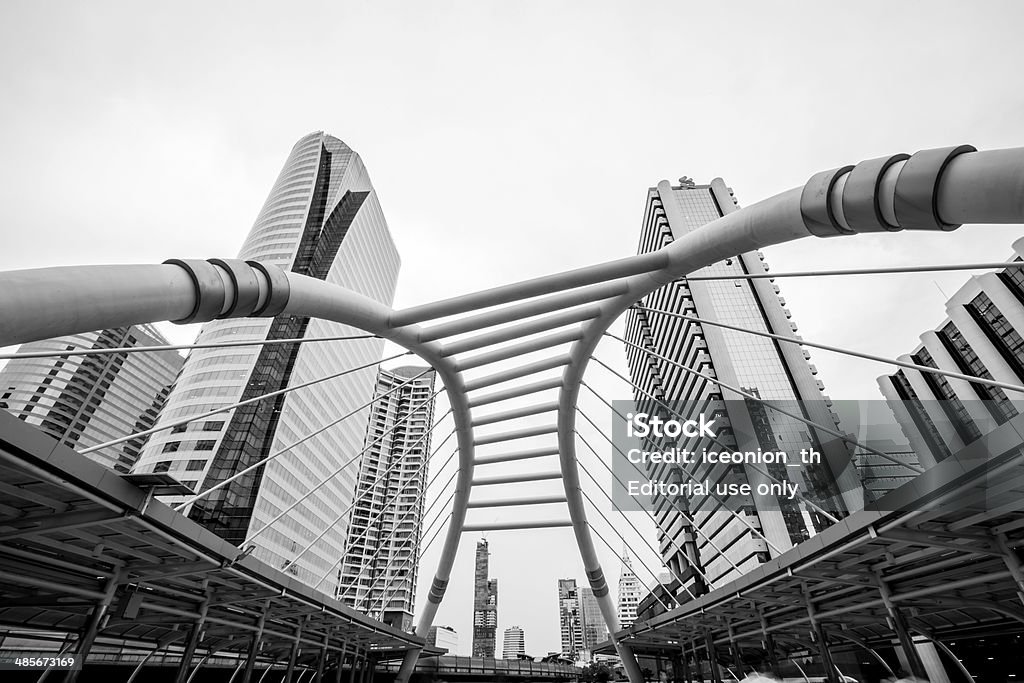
946, 556
69, 525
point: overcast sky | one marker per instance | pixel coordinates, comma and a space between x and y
505, 140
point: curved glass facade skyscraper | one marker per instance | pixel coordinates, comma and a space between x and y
321, 219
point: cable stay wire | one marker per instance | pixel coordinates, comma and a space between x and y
385, 597
336, 472
280, 392
657, 581
178, 347
383, 544
714, 440
389, 501
758, 399
686, 516
425, 514
289, 447
837, 349
650, 547
859, 271
697, 569
741, 518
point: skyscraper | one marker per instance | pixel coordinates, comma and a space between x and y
378, 572
569, 617
982, 336
629, 593
321, 219
592, 624
514, 645
83, 401
485, 604
760, 367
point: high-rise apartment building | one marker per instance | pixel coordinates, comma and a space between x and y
982, 336
630, 591
569, 617
84, 401
378, 573
443, 637
691, 531
321, 219
485, 604
514, 645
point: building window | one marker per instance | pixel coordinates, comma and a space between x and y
195, 465
967, 361
162, 466
205, 445
213, 425
950, 402
1000, 332
920, 416
171, 447
178, 429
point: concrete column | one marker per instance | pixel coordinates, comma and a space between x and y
929, 656
1013, 563
92, 626
737, 660
687, 677
355, 665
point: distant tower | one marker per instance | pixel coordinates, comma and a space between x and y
629, 592
569, 617
514, 646
385, 526
84, 401
485, 605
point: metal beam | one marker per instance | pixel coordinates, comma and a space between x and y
508, 526
508, 502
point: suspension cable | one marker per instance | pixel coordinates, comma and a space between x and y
741, 518
861, 271
633, 526
248, 401
178, 347
358, 455
686, 516
714, 440
385, 597
383, 544
393, 500
340, 560
650, 547
761, 401
609, 545
837, 349
307, 437
428, 530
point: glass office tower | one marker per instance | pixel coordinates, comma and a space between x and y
700, 535
321, 219
485, 604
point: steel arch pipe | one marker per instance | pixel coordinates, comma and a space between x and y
931, 190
